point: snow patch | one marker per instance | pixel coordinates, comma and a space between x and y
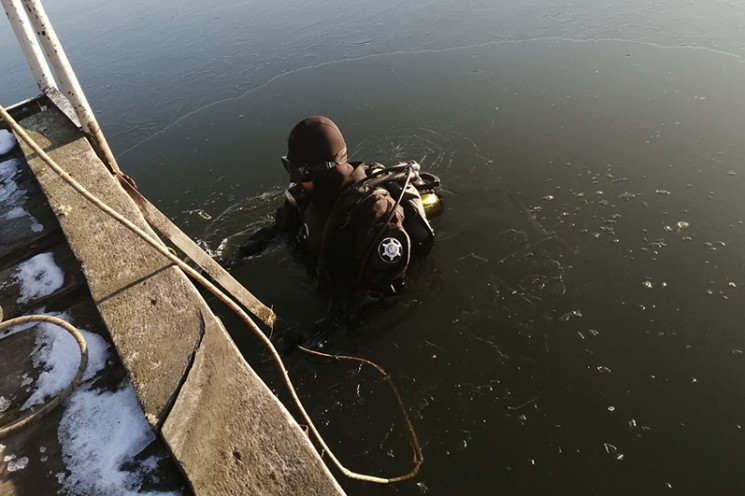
8, 169
4, 404
18, 213
100, 431
8, 186
7, 141
16, 464
57, 352
38, 277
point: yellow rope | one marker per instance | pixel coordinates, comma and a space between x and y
158, 246
51, 404
418, 456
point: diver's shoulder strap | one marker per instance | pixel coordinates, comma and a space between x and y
378, 177
380, 182
349, 200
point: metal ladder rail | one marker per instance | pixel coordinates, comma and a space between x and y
34, 31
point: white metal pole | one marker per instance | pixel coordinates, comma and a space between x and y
29, 44
72, 90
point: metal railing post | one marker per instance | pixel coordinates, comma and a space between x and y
72, 90
20, 23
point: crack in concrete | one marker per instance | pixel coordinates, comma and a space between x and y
187, 371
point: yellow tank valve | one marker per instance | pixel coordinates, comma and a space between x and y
431, 202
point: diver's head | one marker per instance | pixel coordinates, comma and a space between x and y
315, 145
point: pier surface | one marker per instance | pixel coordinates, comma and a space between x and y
219, 429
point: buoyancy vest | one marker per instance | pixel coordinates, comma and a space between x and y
374, 246
415, 221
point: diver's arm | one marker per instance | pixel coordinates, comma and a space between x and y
259, 240
379, 248
284, 218
383, 251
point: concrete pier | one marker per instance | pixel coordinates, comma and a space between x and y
32, 248
222, 426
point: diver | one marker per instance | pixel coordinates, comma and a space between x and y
357, 225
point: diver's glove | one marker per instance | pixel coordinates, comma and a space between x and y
259, 241
285, 336
228, 263
318, 336
252, 246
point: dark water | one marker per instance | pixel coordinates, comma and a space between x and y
577, 328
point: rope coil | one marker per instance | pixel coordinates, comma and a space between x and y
54, 402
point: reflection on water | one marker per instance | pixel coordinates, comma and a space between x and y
577, 326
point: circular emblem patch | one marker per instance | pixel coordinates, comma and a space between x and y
390, 250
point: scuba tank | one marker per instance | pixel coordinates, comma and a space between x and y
415, 191
367, 266
426, 184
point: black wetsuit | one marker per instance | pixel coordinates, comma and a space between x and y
361, 243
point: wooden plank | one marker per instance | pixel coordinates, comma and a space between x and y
39, 477
39, 441
33, 283
16, 369
183, 242
26, 218
20, 241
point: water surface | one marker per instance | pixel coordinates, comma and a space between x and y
577, 326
